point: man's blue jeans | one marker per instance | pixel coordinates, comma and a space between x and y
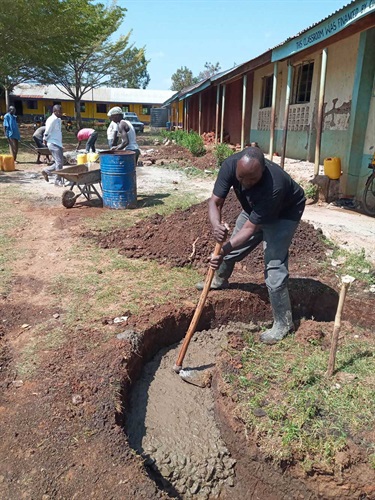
276, 238
90, 144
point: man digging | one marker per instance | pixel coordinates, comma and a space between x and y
272, 206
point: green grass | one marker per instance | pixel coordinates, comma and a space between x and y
352, 263
8, 223
192, 171
307, 416
45, 337
121, 285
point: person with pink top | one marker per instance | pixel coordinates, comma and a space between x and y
87, 134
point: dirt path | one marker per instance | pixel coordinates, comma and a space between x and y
350, 230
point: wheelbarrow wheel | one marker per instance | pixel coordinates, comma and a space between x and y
68, 198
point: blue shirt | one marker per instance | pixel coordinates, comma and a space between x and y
12, 131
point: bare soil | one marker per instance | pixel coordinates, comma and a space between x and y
62, 429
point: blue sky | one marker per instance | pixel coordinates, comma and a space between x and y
190, 32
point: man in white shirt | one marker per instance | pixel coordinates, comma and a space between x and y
53, 140
112, 134
126, 132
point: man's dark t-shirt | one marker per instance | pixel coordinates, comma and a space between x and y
275, 196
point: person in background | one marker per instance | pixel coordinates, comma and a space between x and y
272, 206
87, 134
125, 131
112, 131
53, 140
38, 139
12, 132
38, 136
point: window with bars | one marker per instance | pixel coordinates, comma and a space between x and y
146, 110
303, 75
82, 106
32, 104
267, 86
101, 108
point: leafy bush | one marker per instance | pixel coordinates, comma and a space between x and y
189, 140
194, 143
221, 152
311, 190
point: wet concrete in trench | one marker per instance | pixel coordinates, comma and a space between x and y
172, 423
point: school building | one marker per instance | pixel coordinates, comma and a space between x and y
309, 98
37, 100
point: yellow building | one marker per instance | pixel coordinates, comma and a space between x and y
33, 100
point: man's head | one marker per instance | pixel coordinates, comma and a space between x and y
57, 110
11, 110
250, 167
115, 114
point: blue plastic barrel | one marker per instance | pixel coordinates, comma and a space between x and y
119, 183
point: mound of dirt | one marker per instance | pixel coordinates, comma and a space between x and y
174, 153
184, 238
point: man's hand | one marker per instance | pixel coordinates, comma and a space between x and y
45, 143
220, 232
215, 261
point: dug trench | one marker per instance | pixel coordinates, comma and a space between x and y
193, 442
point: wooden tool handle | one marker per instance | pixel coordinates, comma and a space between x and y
336, 330
198, 312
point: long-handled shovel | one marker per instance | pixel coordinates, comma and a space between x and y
188, 375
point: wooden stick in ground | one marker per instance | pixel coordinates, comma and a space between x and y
346, 281
198, 312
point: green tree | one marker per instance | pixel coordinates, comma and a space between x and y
182, 78
209, 70
87, 57
21, 45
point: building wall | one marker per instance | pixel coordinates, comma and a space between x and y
209, 109
341, 65
260, 117
369, 146
301, 135
90, 112
233, 111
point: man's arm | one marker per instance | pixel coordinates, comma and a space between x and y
123, 131
47, 131
243, 235
6, 125
78, 145
215, 206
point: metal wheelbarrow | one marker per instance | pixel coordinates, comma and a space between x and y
39, 152
84, 179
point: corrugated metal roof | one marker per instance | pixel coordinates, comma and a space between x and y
101, 94
197, 87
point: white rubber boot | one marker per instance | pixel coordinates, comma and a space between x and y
282, 316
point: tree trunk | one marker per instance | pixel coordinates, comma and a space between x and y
6, 99
77, 104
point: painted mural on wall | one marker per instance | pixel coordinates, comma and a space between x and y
336, 117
